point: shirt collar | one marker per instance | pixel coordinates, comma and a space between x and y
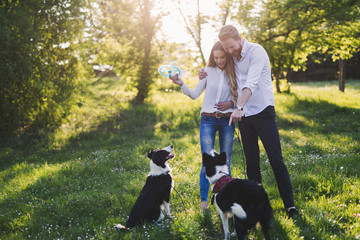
243, 50
218, 70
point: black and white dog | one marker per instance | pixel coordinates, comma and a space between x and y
155, 195
245, 200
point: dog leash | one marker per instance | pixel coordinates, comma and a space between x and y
181, 200
238, 136
237, 131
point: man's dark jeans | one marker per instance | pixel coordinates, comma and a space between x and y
264, 125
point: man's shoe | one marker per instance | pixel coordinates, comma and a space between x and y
292, 212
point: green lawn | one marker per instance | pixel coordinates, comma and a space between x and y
86, 176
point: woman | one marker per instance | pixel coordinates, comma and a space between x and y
220, 96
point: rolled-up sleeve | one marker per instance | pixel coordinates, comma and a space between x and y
257, 62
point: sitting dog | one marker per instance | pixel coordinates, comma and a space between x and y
155, 195
245, 200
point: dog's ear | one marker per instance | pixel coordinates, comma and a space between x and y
222, 158
206, 158
150, 154
208, 163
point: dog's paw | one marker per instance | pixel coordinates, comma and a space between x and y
169, 218
120, 227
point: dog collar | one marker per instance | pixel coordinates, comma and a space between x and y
221, 183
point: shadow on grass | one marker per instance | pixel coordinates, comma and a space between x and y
72, 189
321, 118
99, 174
278, 231
129, 127
73, 202
327, 118
102, 170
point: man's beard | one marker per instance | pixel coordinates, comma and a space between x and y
236, 53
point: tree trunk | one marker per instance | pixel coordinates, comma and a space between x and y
195, 30
145, 79
225, 7
341, 75
144, 82
277, 79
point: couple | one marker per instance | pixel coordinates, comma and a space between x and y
239, 89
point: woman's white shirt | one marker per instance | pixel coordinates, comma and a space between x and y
217, 90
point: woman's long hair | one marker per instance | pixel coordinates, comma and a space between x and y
229, 68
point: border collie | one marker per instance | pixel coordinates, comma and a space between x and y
245, 200
155, 195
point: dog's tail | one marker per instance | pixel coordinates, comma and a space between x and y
238, 211
120, 227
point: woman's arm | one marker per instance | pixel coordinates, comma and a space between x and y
192, 93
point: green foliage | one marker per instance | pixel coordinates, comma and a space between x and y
344, 40
291, 30
194, 26
89, 178
128, 29
39, 65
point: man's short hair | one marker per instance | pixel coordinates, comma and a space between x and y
228, 31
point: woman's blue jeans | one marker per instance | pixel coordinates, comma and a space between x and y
208, 128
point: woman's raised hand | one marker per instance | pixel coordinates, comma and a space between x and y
176, 80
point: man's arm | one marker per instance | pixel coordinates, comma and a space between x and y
202, 74
237, 114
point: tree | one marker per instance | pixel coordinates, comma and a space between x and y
342, 41
291, 30
225, 10
129, 28
39, 74
193, 26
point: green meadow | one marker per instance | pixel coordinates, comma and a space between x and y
79, 181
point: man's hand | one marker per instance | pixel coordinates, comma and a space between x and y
237, 113
202, 74
235, 116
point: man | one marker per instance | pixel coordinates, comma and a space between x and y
255, 110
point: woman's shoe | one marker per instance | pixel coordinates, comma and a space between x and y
203, 206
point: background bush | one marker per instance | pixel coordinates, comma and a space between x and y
40, 74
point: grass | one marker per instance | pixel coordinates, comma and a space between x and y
86, 176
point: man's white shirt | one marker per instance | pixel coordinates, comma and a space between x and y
253, 71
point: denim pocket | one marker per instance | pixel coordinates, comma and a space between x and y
205, 118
